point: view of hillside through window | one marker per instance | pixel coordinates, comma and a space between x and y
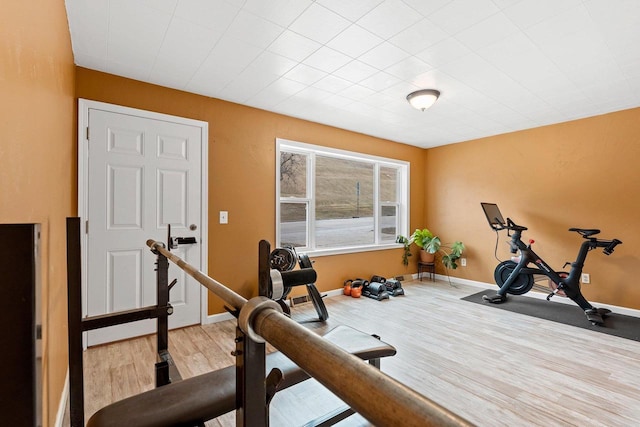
343, 198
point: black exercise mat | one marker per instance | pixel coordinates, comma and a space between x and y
619, 325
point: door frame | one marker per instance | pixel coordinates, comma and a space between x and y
84, 105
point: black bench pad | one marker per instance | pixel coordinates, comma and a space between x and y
210, 395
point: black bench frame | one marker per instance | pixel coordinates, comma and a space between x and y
165, 369
252, 392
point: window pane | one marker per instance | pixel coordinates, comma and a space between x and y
293, 224
344, 202
388, 184
388, 223
339, 233
293, 175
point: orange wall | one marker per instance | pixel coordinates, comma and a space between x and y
582, 173
37, 153
242, 177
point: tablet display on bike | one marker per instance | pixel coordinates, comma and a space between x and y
493, 215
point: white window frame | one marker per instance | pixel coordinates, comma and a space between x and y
311, 151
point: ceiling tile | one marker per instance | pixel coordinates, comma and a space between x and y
427, 7
89, 24
272, 63
216, 15
350, 9
187, 43
293, 46
356, 92
170, 73
275, 93
408, 68
128, 68
332, 84
355, 71
476, 72
319, 24
254, 30
495, 28
461, 14
443, 52
228, 59
626, 13
337, 101
313, 94
526, 13
503, 4
354, 41
419, 36
383, 56
232, 54
380, 81
304, 74
247, 84
389, 18
281, 12
327, 59
134, 28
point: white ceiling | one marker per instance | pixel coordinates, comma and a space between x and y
501, 65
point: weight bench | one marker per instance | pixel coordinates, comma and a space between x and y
204, 397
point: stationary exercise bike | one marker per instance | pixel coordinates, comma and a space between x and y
516, 276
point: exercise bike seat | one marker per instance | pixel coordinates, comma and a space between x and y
585, 232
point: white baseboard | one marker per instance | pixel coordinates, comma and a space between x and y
332, 293
62, 406
215, 318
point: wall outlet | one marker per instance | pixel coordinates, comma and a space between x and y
586, 278
463, 262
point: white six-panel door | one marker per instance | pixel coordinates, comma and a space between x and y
142, 175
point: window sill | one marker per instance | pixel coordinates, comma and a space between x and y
349, 250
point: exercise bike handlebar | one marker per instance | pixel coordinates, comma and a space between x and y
610, 246
515, 227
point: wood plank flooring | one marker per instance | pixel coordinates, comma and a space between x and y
492, 367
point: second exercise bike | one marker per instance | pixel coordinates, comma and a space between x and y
516, 276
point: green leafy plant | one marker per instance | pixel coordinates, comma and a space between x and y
424, 240
407, 248
427, 241
455, 252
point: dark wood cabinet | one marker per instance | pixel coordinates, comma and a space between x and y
20, 326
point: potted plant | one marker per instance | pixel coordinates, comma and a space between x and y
430, 245
427, 242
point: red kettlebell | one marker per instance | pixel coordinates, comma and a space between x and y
347, 289
356, 292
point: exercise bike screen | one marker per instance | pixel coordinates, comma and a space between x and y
493, 214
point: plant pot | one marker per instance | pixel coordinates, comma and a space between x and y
427, 256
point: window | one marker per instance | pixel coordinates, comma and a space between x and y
333, 201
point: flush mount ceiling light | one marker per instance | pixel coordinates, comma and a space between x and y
423, 99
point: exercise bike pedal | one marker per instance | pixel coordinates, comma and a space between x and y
494, 299
596, 315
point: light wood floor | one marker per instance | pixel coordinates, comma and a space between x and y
493, 367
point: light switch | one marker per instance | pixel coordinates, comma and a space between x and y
224, 217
